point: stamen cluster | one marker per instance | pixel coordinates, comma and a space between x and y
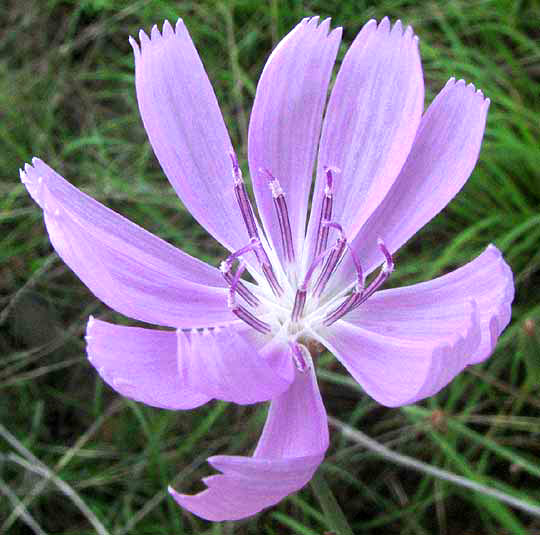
284, 301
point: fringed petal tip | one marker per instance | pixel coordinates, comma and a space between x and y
292, 445
285, 124
469, 87
40, 180
247, 485
330, 34
185, 127
135, 46
386, 26
33, 180
371, 121
156, 36
322, 27
306, 27
495, 252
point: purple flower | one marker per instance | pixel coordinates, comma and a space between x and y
383, 170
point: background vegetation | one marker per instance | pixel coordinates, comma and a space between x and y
67, 95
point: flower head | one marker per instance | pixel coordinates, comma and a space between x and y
383, 170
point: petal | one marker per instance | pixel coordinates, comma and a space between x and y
296, 425
140, 364
291, 448
398, 366
286, 120
224, 365
442, 158
129, 269
439, 307
371, 121
186, 129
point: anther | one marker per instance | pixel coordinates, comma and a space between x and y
361, 295
301, 293
249, 220
298, 356
243, 291
381, 278
236, 278
283, 216
253, 245
272, 279
236, 284
238, 310
351, 299
326, 210
332, 260
389, 261
242, 313
243, 198
299, 303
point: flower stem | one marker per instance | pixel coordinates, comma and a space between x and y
336, 519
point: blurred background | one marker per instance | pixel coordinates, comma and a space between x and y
67, 95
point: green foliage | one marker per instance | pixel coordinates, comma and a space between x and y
67, 95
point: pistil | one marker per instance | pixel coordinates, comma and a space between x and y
332, 260
359, 294
299, 303
301, 293
326, 210
242, 289
243, 199
252, 246
283, 217
241, 312
356, 294
271, 278
246, 210
382, 276
298, 356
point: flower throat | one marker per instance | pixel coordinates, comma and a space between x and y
291, 304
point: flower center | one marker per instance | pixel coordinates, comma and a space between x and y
280, 304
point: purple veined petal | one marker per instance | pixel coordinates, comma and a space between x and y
292, 446
370, 123
140, 364
286, 120
443, 156
260, 484
439, 306
224, 365
126, 267
186, 129
397, 367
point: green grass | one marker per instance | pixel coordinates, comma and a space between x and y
67, 95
